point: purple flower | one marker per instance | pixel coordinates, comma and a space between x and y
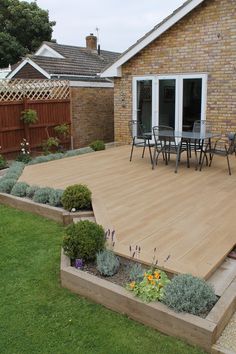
79, 263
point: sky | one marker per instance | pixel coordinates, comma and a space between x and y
121, 22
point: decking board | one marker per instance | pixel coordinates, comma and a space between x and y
189, 215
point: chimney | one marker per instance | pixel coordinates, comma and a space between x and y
91, 42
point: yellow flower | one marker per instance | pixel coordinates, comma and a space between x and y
150, 277
132, 285
153, 283
157, 275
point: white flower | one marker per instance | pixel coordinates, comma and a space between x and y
27, 144
73, 210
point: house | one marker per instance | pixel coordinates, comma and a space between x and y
91, 96
183, 70
4, 72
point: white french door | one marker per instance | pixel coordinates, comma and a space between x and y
172, 100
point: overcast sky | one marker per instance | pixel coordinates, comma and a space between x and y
120, 22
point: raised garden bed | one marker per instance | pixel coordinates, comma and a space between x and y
53, 213
193, 329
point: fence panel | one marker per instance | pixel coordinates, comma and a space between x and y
52, 105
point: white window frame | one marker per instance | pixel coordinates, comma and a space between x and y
178, 98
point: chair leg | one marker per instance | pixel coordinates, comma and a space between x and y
150, 151
227, 156
154, 157
131, 153
211, 159
144, 149
202, 162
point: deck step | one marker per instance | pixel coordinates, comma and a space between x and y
223, 276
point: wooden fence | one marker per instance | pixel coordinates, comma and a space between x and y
50, 99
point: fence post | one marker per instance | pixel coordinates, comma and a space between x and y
26, 126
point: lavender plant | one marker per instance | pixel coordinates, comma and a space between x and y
107, 263
187, 293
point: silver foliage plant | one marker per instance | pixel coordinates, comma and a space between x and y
186, 293
107, 263
19, 189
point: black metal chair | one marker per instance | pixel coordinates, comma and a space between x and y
200, 145
165, 143
140, 138
220, 148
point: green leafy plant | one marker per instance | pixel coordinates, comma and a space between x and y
55, 197
97, 145
77, 196
151, 287
107, 263
42, 195
51, 145
136, 272
187, 293
62, 131
19, 189
29, 116
3, 162
30, 191
84, 240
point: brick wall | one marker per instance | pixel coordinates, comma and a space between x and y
204, 41
92, 115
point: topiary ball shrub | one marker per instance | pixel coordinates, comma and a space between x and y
97, 145
76, 197
186, 293
55, 197
30, 191
19, 189
6, 184
84, 240
42, 195
107, 263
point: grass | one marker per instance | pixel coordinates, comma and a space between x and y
38, 316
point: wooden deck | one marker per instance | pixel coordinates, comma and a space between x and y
189, 217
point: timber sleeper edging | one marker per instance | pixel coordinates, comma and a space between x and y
45, 210
193, 329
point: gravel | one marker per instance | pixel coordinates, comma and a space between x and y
228, 337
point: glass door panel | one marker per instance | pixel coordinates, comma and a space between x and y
144, 104
167, 94
192, 102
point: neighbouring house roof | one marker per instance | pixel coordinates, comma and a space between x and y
68, 62
114, 69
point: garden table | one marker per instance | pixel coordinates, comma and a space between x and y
197, 138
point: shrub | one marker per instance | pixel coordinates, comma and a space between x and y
152, 286
77, 197
3, 163
15, 170
62, 130
25, 158
19, 189
84, 240
30, 191
136, 272
55, 197
29, 116
187, 293
6, 184
107, 263
42, 195
51, 145
97, 145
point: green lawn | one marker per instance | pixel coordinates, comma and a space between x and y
38, 316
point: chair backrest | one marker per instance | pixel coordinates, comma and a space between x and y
202, 126
163, 134
136, 129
